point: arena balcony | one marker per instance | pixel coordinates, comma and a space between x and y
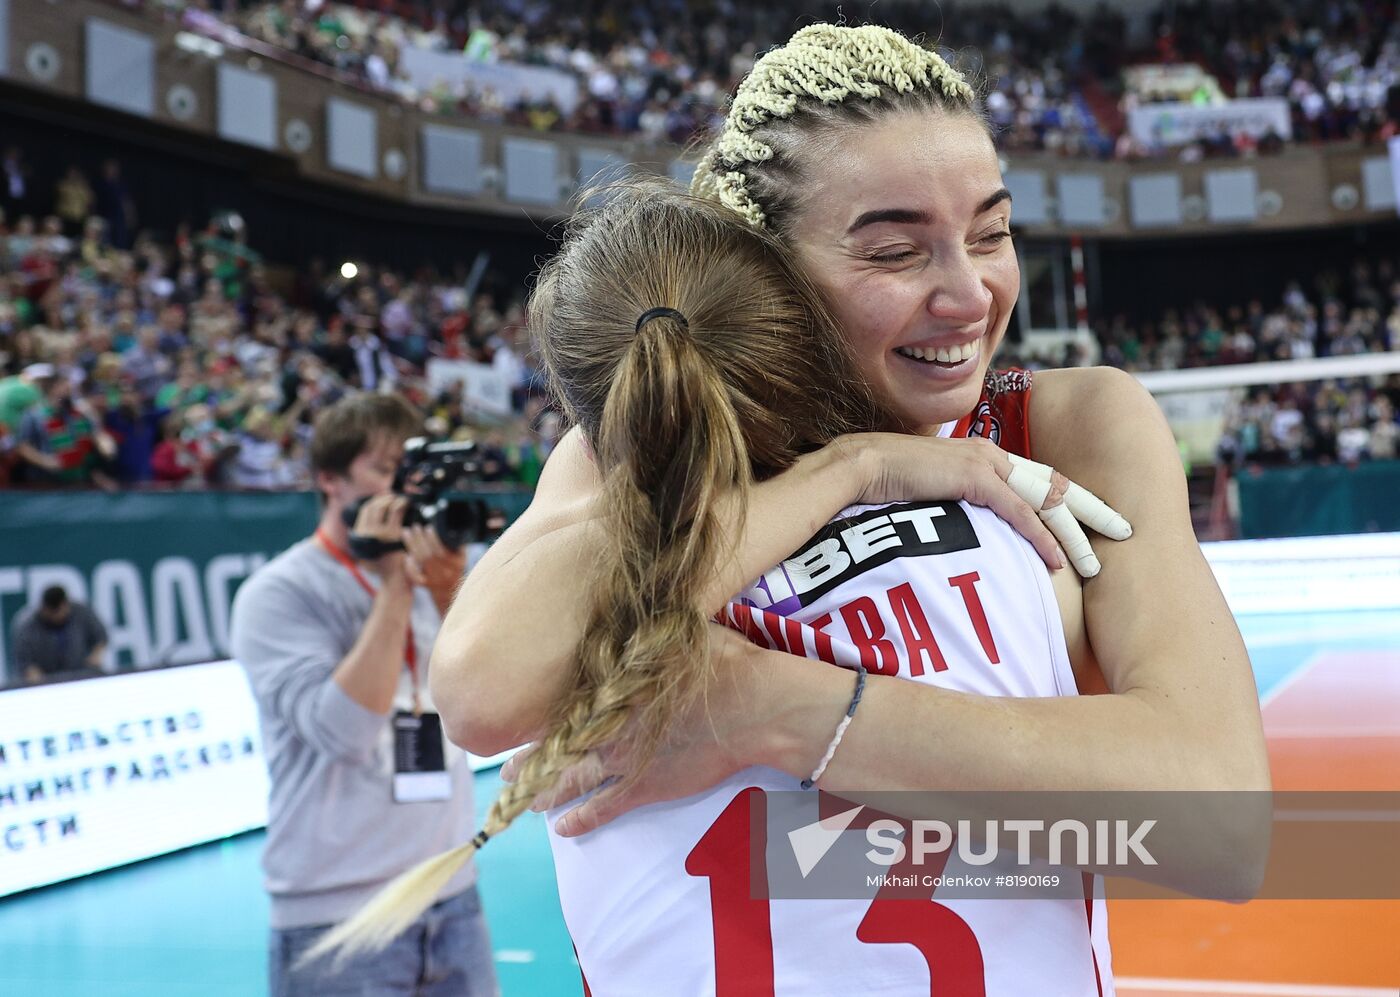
331, 129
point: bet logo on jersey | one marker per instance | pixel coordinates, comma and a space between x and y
849, 547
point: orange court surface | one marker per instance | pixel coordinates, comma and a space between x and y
1332, 718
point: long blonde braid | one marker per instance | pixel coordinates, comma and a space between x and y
681, 416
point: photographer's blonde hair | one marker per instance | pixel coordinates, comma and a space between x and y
682, 412
825, 77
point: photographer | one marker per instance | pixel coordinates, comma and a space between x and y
364, 785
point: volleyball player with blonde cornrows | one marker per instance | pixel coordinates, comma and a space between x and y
685, 406
868, 157
674, 408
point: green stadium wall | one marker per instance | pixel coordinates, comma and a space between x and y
1323, 500
159, 568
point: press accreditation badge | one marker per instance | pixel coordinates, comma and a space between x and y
420, 770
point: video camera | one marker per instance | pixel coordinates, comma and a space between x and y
436, 479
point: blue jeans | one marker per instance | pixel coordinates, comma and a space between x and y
445, 953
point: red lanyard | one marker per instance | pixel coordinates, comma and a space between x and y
410, 648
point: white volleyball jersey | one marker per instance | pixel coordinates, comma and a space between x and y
658, 901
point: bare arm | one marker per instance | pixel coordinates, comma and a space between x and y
1162, 630
38, 458
506, 649
1182, 712
104, 441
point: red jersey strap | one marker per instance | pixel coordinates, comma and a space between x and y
1089, 923
410, 648
1003, 415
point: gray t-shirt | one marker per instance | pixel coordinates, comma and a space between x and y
335, 834
56, 649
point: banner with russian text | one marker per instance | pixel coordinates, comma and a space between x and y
98, 773
159, 569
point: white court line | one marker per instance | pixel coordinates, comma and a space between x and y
1261, 989
515, 955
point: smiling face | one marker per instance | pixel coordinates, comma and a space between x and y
905, 228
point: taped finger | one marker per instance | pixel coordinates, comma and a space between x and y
1087, 507
1012, 508
1097, 514
1071, 536
1031, 466
1029, 485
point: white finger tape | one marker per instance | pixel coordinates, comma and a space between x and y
1025, 483
1087, 507
1071, 536
1097, 514
1035, 467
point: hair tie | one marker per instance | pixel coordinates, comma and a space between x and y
652, 313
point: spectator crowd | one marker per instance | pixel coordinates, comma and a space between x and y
126, 361
662, 69
1332, 316
1333, 422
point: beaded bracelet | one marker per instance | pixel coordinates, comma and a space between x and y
840, 730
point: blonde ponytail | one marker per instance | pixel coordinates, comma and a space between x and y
737, 370
674, 448
390, 911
